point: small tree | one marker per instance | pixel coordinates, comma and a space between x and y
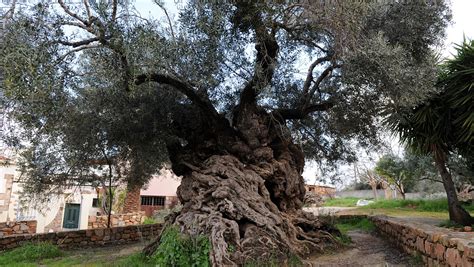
372, 178
445, 123
395, 172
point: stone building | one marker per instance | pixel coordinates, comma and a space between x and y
322, 190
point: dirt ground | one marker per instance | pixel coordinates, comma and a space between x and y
366, 250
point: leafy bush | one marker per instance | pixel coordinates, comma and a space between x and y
29, 253
182, 251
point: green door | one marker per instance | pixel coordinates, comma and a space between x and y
71, 216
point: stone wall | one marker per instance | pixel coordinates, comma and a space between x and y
436, 245
6, 196
17, 228
116, 220
87, 238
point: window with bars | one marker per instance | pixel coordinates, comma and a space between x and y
153, 201
95, 202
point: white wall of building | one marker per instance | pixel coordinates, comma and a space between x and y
45, 213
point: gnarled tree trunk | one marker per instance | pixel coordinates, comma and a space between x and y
242, 186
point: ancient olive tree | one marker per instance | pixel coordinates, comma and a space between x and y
234, 95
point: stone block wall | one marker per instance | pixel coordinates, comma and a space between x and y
116, 220
437, 246
87, 238
17, 228
6, 196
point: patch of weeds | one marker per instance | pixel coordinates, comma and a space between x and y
134, 260
149, 220
294, 261
344, 239
231, 249
355, 223
416, 260
29, 253
177, 249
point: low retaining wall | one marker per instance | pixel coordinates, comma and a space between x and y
17, 228
125, 219
87, 238
436, 245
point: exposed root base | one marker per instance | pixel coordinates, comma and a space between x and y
229, 202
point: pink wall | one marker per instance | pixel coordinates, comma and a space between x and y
164, 184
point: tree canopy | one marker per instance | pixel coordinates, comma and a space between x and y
234, 94
92, 82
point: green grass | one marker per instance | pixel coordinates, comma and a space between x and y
134, 260
432, 205
29, 254
149, 220
341, 202
355, 224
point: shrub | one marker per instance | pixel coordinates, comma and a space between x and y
29, 253
177, 249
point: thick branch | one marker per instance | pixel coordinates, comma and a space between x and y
267, 51
72, 14
182, 87
114, 9
309, 76
327, 72
301, 113
79, 43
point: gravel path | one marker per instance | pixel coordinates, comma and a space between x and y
366, 250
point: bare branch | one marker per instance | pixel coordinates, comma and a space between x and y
88, 9
327, 72
309, 76
72, 14
168, 17
77, 49
9, 14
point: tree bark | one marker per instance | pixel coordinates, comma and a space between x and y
456, 212
132, 200
242, 187
374, 190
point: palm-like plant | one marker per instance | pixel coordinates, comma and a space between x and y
445, 122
